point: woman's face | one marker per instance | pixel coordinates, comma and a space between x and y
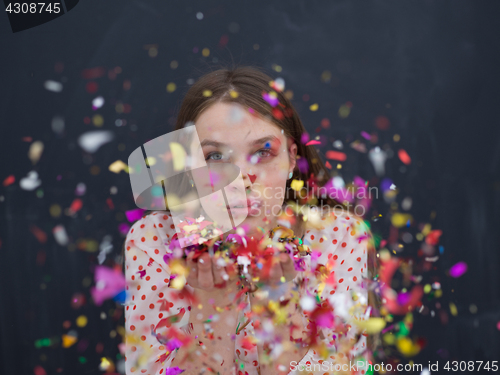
228, 133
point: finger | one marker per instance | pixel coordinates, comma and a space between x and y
192, 278
275, 273
287, 266
218, 270
205, 275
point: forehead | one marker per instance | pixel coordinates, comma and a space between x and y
231, 122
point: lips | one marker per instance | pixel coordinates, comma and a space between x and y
244, 204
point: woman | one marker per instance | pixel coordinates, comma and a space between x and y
275, 320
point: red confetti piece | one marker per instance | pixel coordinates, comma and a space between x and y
40, 235
76, 205
9, 180
382, 123
39, 370
404, 157
328, 165
336, 155
110, 204
433, 237
93, 73
27, 139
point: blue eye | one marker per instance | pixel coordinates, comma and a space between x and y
263, 153
214, 156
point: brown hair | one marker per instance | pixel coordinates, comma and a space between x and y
246, 85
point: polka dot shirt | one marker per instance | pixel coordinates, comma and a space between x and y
342, 246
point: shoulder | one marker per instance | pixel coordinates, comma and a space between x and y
152, 229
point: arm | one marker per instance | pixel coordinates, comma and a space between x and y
149, 299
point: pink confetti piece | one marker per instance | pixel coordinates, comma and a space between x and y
312, 143
458, 269
109, 283
304, 138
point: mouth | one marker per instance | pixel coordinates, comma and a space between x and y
245, 204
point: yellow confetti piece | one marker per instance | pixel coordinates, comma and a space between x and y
68, 340
171, 87
178, 156
178, 283
177, 267
453, 309
427, 229
35, 151
427, 288
344, 111
297, 185
389, 339
98, 120
104, 364
118, 166
55, 210
205, 52
407, 347
371, 325
207, 93
314, 107
81, 321
233, 94
399, 220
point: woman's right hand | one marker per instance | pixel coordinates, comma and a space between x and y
213, 277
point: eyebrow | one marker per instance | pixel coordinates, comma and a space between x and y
209, 142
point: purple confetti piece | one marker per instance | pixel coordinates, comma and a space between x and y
270, 99
303, 165
366, 135
304, 138
458, 269
173, 371
123, 228
134, 215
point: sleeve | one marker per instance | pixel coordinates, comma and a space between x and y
339, 244
150, 300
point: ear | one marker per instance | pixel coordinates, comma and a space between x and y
292, 153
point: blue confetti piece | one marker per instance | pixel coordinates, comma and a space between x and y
120, 297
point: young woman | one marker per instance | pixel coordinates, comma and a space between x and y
276, 319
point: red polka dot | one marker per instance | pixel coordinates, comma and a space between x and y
344, 244
142, 317
143, 338
148, 278
138, 287
335, 257
334, 242
132, 231
160, 295
157, 251
143, 297
158, 270
172, 226
321, 240
153, 287
335, 229
132, 328
165, 217
135, 257
155, 238
143, 239
350, 269
355, 278
312, 236
151, 306
341, 281
142, 226
347, 217
160, 225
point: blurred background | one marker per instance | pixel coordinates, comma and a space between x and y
420, 80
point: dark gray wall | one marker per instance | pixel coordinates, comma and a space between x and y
430, 67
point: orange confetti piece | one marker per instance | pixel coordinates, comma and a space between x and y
404, 157
9, 180
336, 155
